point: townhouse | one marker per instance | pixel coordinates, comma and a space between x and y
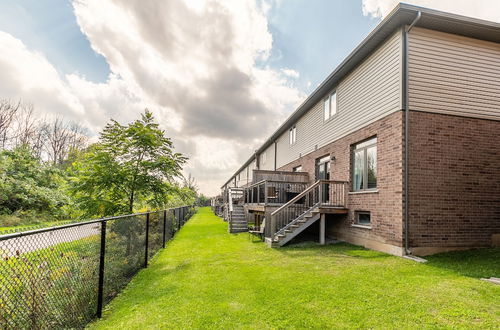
397, 150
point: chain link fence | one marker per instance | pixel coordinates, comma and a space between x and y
61, 277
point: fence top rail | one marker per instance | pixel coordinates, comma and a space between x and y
81, 223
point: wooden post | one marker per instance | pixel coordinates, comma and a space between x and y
265, 193
322, 229
320, 193
273, 226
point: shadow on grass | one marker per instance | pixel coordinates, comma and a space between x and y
308, 248
477, 263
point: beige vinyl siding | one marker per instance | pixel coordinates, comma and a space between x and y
269, 163
454, 75
243, 178
369, 92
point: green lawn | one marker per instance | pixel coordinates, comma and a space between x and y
207, 278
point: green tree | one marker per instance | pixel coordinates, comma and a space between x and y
131, 165
203, 200
28, 184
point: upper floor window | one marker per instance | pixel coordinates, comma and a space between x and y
292, 135
264, 157
297, 168
330, 106
364, 169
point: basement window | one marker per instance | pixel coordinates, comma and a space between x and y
363, 218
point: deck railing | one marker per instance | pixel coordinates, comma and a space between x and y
323, 193
268, 192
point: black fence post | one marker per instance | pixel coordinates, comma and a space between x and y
172, 227
178, 218
147, 242
100, 292
164, 227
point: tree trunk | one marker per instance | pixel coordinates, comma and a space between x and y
131, 202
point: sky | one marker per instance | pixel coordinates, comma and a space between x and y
220, 76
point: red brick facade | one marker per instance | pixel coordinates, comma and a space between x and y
385, 205
454, 182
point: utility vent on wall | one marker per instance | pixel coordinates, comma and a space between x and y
300, 155
315, 147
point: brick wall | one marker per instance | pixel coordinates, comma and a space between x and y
386, 205
454, 182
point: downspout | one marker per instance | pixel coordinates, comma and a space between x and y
275, 154
407, 133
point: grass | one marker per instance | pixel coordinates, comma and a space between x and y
207, 278
31, 226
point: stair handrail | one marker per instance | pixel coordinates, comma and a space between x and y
318, 184
296, 198
290, 202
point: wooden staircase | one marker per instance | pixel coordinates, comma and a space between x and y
303, 210
237, 220
296, 227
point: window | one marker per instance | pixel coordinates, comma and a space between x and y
264, 157
297, 168
292, 134
364, 169
330, 106
363, 218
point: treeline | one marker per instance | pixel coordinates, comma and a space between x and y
50, 171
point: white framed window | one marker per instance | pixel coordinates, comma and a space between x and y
364, 165
297, 168
264, 157
330, 106
292, 135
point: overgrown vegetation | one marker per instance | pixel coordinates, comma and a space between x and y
208, 279
55, 287
49, 171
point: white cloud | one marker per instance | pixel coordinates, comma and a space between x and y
290, 73
28, 75
483, 9
196, 64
